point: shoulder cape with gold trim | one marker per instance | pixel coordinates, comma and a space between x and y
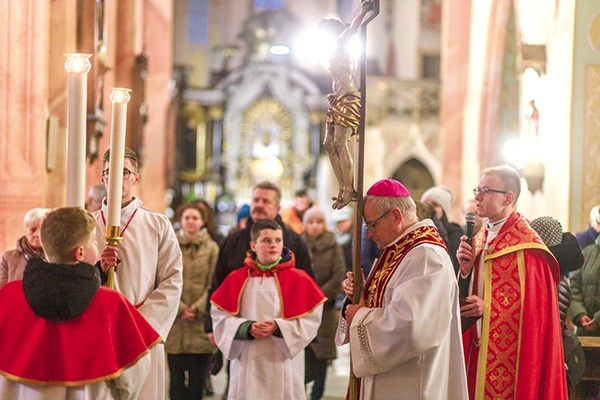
110, 336
299, 293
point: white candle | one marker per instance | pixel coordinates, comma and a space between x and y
77, 65
119, 98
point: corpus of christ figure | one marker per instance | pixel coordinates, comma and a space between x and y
343, 113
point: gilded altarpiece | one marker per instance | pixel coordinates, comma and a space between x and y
266, 128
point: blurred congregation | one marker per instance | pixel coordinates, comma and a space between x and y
252, 240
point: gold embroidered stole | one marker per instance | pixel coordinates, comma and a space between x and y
390, 259
383, 270
504, 273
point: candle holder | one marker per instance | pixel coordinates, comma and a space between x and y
78, 62
112, 238
120, 95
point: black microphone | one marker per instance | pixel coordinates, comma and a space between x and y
470, 218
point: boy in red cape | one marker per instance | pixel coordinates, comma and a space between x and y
63, 336
264, 315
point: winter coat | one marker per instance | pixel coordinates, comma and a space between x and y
199, 257
329, 268
13, 262
585, 289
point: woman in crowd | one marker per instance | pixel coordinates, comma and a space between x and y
28, 246
329, 269
187, 346
209, 221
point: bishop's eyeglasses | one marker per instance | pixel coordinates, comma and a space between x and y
370, 226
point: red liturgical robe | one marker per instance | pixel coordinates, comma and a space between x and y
520, 354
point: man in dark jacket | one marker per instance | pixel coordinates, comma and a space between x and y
265, 204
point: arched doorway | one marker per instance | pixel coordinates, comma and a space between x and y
415, 176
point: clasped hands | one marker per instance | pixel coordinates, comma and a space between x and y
588, 324
261, 330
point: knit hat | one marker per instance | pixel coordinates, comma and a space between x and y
441, 195
312, 213
563, 245
343, 214
243, 212
388, 188
549, 229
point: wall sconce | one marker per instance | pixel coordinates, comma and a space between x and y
534, 173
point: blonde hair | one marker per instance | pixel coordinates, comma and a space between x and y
63, 230
509, 176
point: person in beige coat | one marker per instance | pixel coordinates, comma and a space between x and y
187, 346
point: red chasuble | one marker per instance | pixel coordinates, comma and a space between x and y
100, 344
520, 354
299, 293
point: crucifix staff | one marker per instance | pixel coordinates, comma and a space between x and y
345, 119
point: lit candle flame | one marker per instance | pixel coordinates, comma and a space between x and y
78, 62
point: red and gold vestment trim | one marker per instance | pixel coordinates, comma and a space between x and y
391, 257
505, 267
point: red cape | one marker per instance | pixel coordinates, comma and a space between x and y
299, 293
107, 338
521, 355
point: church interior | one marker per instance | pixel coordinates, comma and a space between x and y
225, 93
228, 92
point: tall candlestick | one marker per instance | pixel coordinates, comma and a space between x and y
119, 98
77, 65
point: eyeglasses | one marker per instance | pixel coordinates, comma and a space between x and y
371, 225
126, 173
486, 191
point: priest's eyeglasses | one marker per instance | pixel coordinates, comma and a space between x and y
371, 225
486, 191
126, 173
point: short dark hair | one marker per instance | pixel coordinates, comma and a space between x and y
127, 154
261, 225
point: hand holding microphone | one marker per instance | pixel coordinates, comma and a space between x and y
462, 250
470, 218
